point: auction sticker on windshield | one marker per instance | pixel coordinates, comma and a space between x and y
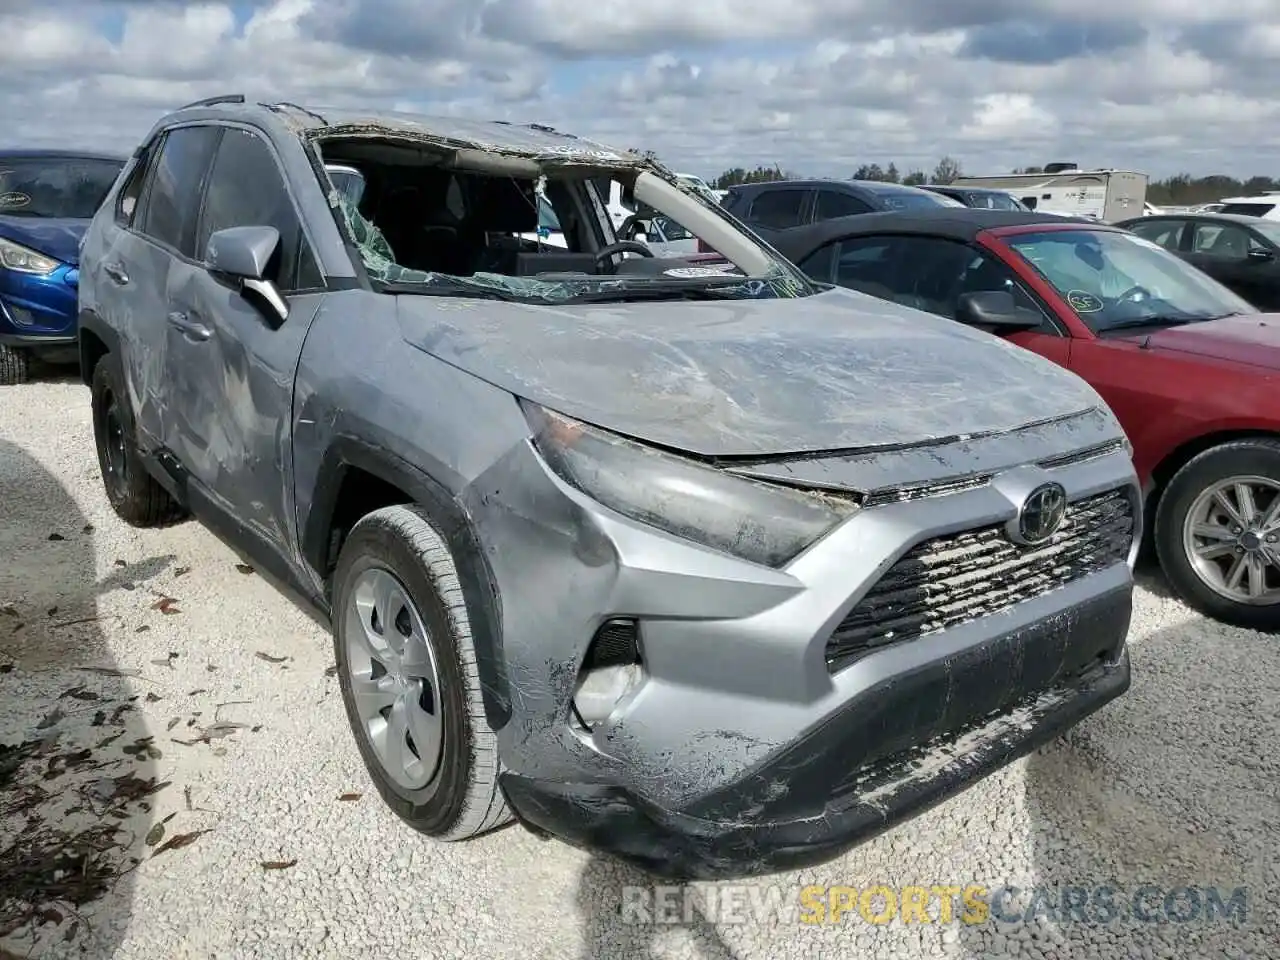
14, 200
1082, 302
689, 272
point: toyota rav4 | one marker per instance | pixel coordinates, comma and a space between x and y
711, 568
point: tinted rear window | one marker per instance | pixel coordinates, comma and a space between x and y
55, 186
778, 208
915, 201
1249, 209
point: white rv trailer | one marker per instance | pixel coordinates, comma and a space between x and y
1064, 188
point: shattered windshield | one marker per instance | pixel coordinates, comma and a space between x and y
433, 231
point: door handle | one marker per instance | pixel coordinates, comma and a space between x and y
192, 329
116, 272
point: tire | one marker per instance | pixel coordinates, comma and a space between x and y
134, 494
1257, 458
15, 366
461, 799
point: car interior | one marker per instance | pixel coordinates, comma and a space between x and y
435, 218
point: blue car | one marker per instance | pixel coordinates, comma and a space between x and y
47, 198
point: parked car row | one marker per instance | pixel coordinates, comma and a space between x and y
719, 567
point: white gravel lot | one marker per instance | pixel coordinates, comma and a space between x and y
1178, 783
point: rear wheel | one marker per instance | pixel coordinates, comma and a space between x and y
133, 493
409, 680
1217, 533
15, 365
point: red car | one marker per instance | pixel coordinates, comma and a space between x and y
1191, 370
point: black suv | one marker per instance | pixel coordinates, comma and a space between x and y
790, 203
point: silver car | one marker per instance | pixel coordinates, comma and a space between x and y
722, 574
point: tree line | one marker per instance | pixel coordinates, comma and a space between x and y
1180, 190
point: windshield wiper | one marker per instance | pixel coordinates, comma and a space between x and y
1154, 321
637, 293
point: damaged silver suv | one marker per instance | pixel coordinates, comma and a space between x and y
705, 566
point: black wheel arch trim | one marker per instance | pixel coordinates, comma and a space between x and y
479, 587
90, 322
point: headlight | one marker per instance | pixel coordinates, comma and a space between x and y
14, 256
756, 521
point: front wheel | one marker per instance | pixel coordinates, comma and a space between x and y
15, 366
407, 669
1217, 533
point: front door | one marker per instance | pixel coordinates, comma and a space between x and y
1236, 258
232, 363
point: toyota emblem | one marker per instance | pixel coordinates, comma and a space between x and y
1041, 514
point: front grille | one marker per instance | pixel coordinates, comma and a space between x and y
958, 578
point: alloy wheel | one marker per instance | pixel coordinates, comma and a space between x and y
1232, 539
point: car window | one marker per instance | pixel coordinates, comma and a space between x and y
833, 203
671, 230
867, 264
1114, 278
247, 189
778, 208
905, 200
734, 202
931, 274
171, 202
993, 201
1223, 241
1164, 232
55, 187
1248, 209
818, 265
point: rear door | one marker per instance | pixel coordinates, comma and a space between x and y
155, 219
231, 362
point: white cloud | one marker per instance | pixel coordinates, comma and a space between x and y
819, 88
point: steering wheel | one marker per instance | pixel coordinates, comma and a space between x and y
1135, 293
611, 250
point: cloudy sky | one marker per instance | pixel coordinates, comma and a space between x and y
817, 86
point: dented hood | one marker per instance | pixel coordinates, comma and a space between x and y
834, 371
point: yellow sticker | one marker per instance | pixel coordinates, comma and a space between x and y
1082, 302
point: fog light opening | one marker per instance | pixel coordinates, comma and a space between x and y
610, 671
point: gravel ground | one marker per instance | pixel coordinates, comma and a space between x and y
1174, 785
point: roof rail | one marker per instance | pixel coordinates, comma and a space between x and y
214, 101
286, 105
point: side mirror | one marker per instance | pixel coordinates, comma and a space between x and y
243, 254
1262, 256
995, 310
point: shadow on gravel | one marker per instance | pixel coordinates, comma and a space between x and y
617, 905
77, 772
1150, 816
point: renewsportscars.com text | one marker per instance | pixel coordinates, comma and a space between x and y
967, 903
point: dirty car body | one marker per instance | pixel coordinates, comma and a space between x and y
750, 569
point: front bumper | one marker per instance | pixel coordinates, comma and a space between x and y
39, 311
747, 747
861, 772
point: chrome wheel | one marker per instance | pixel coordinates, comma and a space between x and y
1232, 539
395, 680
